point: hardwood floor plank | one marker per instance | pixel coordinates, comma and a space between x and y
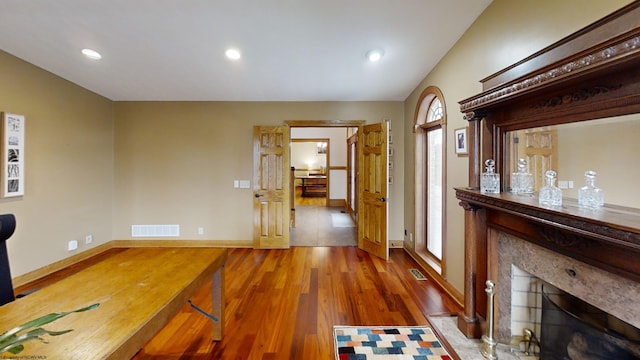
283, 304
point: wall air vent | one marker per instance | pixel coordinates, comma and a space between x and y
155, 230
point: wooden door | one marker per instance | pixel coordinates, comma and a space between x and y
539, 146
271, 208
373, 189
352, 176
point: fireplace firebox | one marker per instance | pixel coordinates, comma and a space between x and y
573, 329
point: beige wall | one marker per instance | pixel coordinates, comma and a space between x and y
581, 148
176, 161
68, 165
506, 32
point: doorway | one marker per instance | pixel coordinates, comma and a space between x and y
309, 163
319, 183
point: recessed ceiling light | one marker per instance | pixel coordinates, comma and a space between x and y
233, 54
375, 55
91, 54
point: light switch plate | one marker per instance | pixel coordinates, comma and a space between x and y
73, 245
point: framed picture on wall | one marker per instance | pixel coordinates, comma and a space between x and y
461, 141
12, 158
321, 148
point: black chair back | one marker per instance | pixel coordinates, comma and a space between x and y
7, 227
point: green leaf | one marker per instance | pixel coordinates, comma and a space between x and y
43, 320
11, 342
16, 349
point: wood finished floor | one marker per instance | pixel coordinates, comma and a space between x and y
308, 200
282, 304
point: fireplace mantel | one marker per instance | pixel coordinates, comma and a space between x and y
608, 238
591, 74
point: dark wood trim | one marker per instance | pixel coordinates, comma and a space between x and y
324, 123
608, 239
614, 26
604, 45
310, 140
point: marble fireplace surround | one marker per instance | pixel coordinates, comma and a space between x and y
612, 293
592, 255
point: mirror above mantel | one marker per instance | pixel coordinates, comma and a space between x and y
573, 148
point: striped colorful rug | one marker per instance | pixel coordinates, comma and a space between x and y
387, 342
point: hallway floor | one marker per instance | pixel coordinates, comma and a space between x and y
323, 226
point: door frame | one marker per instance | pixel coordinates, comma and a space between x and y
352, 176
324, 123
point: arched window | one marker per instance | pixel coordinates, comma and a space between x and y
430, 130
436, 112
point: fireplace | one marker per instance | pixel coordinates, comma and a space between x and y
565, 248
525, 270
593, 255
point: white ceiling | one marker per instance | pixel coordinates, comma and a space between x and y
292, 50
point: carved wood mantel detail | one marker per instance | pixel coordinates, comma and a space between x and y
581, 94
600, 57
593, 73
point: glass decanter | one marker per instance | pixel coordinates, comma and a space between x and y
489, 180
590, 196
522, 181
550, 195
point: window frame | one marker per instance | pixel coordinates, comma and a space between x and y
421, 128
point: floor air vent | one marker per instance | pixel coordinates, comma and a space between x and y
155, 230
417, 274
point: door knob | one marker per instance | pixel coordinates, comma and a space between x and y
382, 199
257, 195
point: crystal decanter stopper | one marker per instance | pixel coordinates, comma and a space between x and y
522, 181
550, 195
590, 196
489, 180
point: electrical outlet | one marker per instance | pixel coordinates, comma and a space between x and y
88, 239
200, 231
73, 245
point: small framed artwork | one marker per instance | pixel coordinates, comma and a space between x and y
321, 148
461, 141
12, 158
